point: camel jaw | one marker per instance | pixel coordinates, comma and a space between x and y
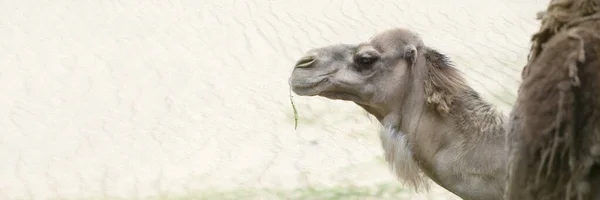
338, 95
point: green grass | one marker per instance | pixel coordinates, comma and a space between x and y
349, 192
383, 191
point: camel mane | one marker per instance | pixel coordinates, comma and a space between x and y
443, 82
447, 91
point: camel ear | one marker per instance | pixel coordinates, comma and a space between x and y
410, 54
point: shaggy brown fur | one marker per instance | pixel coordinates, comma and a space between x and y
554, 139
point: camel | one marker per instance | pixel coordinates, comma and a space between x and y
435, 126
553, 137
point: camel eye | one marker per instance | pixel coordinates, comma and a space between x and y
365, 60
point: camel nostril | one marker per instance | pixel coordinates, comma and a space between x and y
305, 61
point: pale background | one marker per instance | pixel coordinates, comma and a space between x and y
180, 98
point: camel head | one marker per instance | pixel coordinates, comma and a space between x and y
379, 75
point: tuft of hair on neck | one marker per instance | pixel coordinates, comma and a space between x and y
399, 156
443, 82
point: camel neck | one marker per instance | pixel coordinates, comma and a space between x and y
473, 115
469, 114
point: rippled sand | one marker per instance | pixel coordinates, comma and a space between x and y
144, 97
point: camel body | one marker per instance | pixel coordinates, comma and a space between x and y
554, 137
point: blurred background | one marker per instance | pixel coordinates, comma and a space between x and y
189, 99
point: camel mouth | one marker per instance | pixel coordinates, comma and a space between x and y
323, 87
308, 88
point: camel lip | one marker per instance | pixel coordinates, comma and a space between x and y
307, 88
306, 84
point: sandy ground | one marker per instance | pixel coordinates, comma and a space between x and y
147, 97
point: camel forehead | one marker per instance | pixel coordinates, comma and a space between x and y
395, 38
390, 40
337, 51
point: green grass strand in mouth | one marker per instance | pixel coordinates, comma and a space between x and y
295, 111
